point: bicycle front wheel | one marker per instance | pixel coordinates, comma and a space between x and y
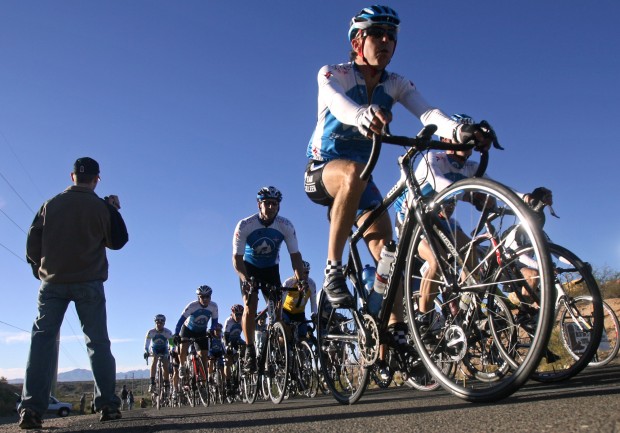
579, 320
475, 226
277, 366
344, 372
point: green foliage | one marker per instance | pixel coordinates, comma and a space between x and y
608, 280
7, 397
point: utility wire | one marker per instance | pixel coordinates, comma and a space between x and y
16, 225
18, 195
12, 252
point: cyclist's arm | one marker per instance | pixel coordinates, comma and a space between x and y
313, 306
332, 95
414, 102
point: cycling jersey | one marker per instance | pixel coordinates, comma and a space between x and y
260, 245
295, 302
343, 95
217, 348
156, 342
232, 331
195, 317
437, 172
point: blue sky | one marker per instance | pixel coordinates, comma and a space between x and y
190, 107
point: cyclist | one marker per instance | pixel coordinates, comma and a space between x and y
232, 339
355, 102
294, 303
216, 349
193, 324
156, 345
174, 369
256, 245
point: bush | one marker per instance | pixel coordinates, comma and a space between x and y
608, 280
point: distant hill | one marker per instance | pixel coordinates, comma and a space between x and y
82, 375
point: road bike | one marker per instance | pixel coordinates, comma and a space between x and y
349, 337
160, 392
303, 376
195, 381
272, 359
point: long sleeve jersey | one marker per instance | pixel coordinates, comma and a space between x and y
343, 96
196, 317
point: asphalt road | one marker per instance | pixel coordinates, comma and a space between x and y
589, 402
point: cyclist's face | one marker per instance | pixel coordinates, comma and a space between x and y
204, 300
237, 316
378, 45
159, 324
268, 209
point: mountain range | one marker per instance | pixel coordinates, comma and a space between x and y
82, 375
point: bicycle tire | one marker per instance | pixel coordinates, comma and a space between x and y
578, 322
339, 353
512, 217
307, 369
202, 382
610, 338
277, 366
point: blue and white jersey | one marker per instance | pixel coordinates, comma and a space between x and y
435, 173
260, 245
343, 96
195, 317
217, 347
157, 341
232, 331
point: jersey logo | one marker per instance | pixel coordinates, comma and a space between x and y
263, 246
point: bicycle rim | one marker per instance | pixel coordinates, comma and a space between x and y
277, 366
339, 353
610, 338
468, 272
307, 369
578, 325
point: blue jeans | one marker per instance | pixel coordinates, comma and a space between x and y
54, 298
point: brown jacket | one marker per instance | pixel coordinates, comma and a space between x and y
68, 237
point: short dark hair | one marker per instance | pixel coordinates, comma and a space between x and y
85, 178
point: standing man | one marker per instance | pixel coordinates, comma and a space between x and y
256, 257
124, 394
66, 248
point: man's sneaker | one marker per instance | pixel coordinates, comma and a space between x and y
336, 290
109, 414
28, 419
250, 359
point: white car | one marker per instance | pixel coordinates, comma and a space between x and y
58, 407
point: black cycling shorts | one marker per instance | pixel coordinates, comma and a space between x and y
270, 275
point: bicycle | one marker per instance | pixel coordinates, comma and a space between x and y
272, 359
159, 393
349, 337
610, 338
195, 382
303, 377
235, 354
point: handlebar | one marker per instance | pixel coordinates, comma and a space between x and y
419, 143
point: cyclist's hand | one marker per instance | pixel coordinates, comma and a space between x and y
146, 355
372, 120
481, 134
177, 339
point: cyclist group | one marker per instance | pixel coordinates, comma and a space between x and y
355, 103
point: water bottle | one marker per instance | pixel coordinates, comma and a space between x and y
374, 298
383, 267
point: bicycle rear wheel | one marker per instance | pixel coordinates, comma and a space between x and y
202, 382
499, 222
341, 362
610, 338
308, 376
579, 320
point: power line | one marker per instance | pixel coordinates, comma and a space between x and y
10, 251
10, 219
18, 195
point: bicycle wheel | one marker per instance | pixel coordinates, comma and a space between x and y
342, 367
498, 222
202, 382
308, 376
578, 322
277, 365
610, 338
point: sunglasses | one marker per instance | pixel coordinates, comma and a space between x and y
379, 33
